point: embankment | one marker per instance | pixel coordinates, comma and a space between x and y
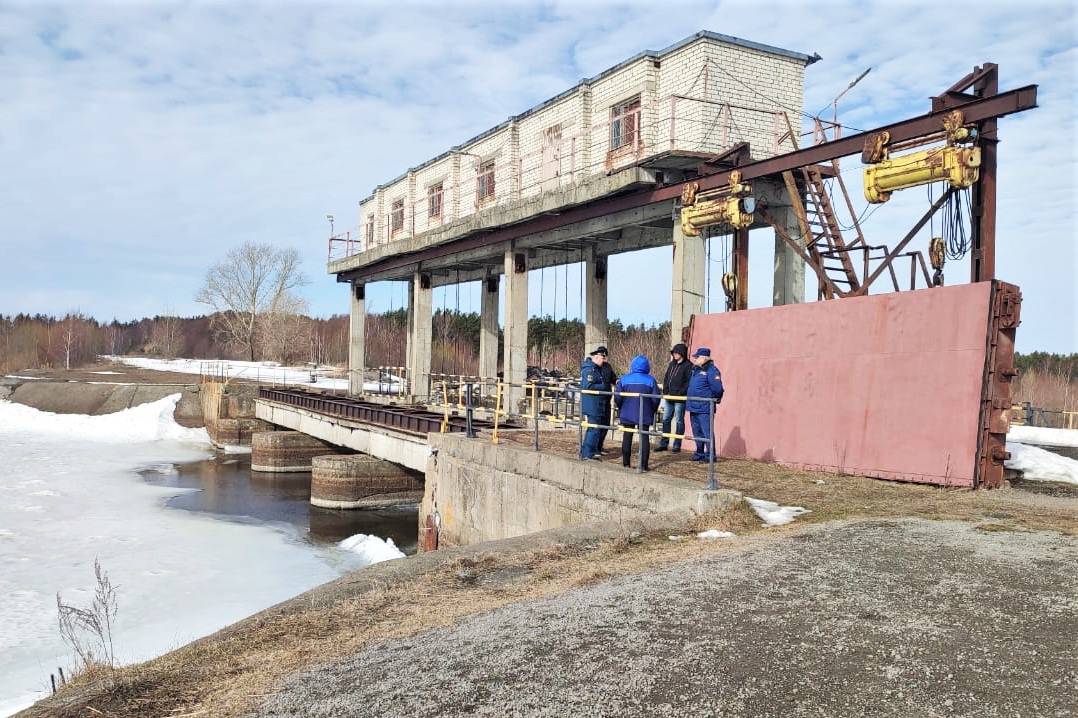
75, 397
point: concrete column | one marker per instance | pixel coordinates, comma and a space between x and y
515, 358
488, 327
357, 334
789, 287
688, 282
419, 334
594, 300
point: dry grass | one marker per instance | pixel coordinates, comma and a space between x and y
225, 675
229, 673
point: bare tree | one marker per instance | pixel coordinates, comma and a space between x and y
70, 337
284, 331
254, 281
166, 333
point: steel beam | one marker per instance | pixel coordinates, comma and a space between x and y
975, 110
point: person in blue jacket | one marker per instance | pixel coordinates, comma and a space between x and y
595, 408
705, 383
637, 412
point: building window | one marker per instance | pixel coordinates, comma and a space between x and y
624, 123
370, 231
485, 186
396, 215
434, 200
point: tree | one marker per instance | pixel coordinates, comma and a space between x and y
166, 333
254, 281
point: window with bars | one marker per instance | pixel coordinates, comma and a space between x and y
396, 215
434, 201
484, 187
624, 123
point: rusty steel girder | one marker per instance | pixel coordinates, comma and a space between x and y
1003, 319
409, 420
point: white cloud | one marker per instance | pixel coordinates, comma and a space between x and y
140, 141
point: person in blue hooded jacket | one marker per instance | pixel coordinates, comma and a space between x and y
705, 383
637, 412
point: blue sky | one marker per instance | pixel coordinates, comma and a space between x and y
139, 141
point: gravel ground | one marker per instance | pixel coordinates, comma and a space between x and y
874, 618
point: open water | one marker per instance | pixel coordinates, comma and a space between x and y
227, 489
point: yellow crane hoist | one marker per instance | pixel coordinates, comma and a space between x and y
732, 205
955, 162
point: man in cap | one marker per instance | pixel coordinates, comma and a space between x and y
675, 387
595, 376
704, 384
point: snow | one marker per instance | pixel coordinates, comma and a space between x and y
1043, 436
70, 494
371, 548
268, 372
772, 513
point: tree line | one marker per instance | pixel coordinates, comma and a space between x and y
76, 340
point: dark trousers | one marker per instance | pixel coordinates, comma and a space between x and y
592, 436
627, 447
701, 434
604, 419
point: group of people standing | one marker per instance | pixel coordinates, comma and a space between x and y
688, 385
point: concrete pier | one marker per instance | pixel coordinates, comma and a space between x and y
286, 451
359, 481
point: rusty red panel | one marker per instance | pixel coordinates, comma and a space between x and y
888, 386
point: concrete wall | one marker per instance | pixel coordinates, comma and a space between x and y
68, 397
229, 411
477, 491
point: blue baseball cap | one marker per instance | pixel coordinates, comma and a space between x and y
701, 352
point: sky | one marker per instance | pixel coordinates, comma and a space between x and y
70, 493
140, 141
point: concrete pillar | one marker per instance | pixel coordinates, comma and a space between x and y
286, 451
359, 481
357, 335
688, 280
515, 358
594, 300
419, 334
488, 327
789, 287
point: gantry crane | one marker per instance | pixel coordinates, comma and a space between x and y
954, 144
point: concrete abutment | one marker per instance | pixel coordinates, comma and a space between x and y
478, 491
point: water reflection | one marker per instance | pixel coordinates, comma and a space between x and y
227, 488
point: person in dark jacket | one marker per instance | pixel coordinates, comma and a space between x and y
595, 407
675, 388
610, 377
705, 383
636, 411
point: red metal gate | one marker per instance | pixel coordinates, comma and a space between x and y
910, 386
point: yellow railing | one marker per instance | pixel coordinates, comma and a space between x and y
1025, 414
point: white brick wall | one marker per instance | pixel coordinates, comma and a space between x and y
703, 96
